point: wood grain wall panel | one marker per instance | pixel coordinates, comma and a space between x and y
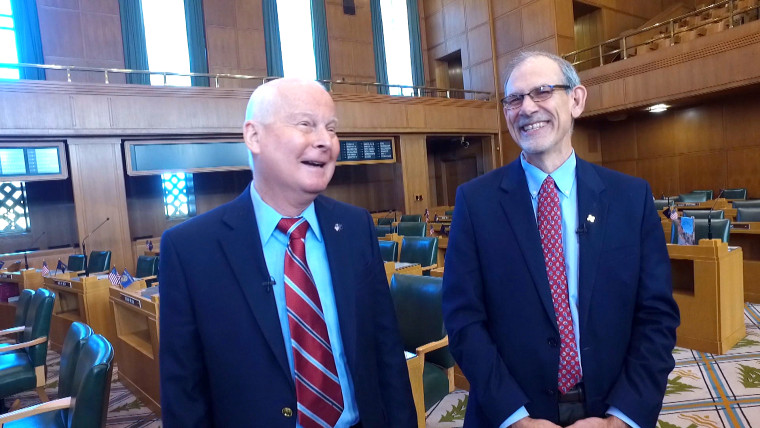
249, 15
432, 6
481, 77
479, 46
618, 140
615, 22
415, 174
744, 167
564, 18
655, 137
742, 126
585, 141
110, 7
538, 21
612, 92
476, 12
61, 4
434, 27
102, 37
626, 167
220, 14
508, 32
61, 32
702, 171
250, 57
222, 47
661, 173
453, 18
565, 44
500, 7
698, 129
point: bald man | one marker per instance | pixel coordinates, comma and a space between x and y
275, 308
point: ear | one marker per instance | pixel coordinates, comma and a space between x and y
577, 100
251, 134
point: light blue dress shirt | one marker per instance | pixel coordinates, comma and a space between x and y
565, 179
274, 244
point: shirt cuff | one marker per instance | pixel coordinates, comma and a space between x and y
614, 411
516, 416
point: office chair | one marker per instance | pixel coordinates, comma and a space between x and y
147, 269
388, 250
422, 250
700, 214
385, 221
382, 230
661, 204
748, 214
100, 261
411, 228
411, 217
708, 192
720, 230
693, 197
740, 193
752, 203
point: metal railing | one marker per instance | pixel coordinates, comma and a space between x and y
618, 47
370, 87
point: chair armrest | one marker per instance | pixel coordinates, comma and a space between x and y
148, 278
61, 403
12, 330
22, 345
432, 346
431, 267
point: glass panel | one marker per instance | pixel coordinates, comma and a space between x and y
5, 7
166, 40
14, 214
178, 194
397, 51
297, 38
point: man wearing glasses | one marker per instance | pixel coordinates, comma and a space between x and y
557, 295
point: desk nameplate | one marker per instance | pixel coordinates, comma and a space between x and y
131, 300
66, 284
745, 226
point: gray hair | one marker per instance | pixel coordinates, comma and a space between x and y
568, 71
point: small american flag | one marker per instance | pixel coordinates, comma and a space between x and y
673, 215
149, 243
427, 216
114, 277
45, 270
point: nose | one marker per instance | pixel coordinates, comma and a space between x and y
528, 106
322, 138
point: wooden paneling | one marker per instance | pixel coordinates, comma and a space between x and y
744, 167
702, 171
476, 12
743, 113
661, 173
415, 173
655, 137
586, 144
453, 18
618, 141
626, 167
508, 32
538, 21
698, 129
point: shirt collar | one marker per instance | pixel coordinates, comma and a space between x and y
564, 176
267, 217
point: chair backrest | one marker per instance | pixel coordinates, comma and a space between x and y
91, 384
720, 230
385, 221
417, 301
411, 228
388, 250
100, 261
382, 230
740, 193
704, 214
22, 306
37, 324
76, 262
752, 203
693, 197
411, 217
448, 213
146, 266
748, 214
420, 250
661, 204
72, 346
708, 192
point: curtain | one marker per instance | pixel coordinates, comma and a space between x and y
28, 40
133, 39
319, 36
415, 43
196, 40
381, 68
272, 38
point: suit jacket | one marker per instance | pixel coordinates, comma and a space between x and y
223, 359
498, 309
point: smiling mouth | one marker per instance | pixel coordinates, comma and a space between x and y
533, 126
314, 164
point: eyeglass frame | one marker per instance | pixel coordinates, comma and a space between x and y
521, 97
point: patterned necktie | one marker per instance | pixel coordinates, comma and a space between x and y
550, 229
320, 400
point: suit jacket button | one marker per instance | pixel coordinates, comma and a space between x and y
287, 412
553, 342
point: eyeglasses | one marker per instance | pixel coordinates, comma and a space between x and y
537, 94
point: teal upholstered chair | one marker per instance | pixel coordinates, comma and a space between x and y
709, 193
748, 214
147, 269
411, 217
661, 204
76, 263
100, 261
22, 366
740, 193
388, 250
22, 307
720, 230
87, 403
72, 346
448, 213
697, 214
385, 221
382, 230
420, 250
693, 197
411, 228
417, 301
752, 203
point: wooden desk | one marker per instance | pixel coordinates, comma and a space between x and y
27, 278
749, 240
83, 299
136, 319
721, 204
416, 364
437, 272
708, 287
405, 268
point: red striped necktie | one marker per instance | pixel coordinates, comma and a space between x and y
320, 400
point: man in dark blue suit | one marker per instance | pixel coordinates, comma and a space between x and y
557, 294
261, 326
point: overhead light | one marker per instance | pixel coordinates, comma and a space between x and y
658, 108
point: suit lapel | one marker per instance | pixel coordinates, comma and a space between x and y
242, 247
592, 201
517, 206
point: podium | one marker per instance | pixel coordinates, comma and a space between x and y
83, 299
747, 236
27, 278
708, 287
136, 320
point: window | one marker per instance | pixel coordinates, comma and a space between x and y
166, 40
8, 53
297, 39
179, 195
397, 50
14, 214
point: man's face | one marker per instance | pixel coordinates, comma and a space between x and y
296, 148
545, 127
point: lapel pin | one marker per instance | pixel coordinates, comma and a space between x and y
590, 218
338, 227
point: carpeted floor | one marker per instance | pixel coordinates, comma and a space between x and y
704, 390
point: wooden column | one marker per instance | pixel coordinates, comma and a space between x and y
414, 167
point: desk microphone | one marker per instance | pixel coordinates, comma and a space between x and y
709, 215
84, 249
269, 284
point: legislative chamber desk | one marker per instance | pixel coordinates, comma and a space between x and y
136, 319
27, 278
83, 299
747, 236
708, 287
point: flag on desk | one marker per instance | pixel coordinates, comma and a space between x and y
61, 266
45, 270
149, 243
126, 279
114, 277
2, 263
427, 216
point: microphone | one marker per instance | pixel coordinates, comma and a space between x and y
709, 215
269, 284
26, 262
84, 249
